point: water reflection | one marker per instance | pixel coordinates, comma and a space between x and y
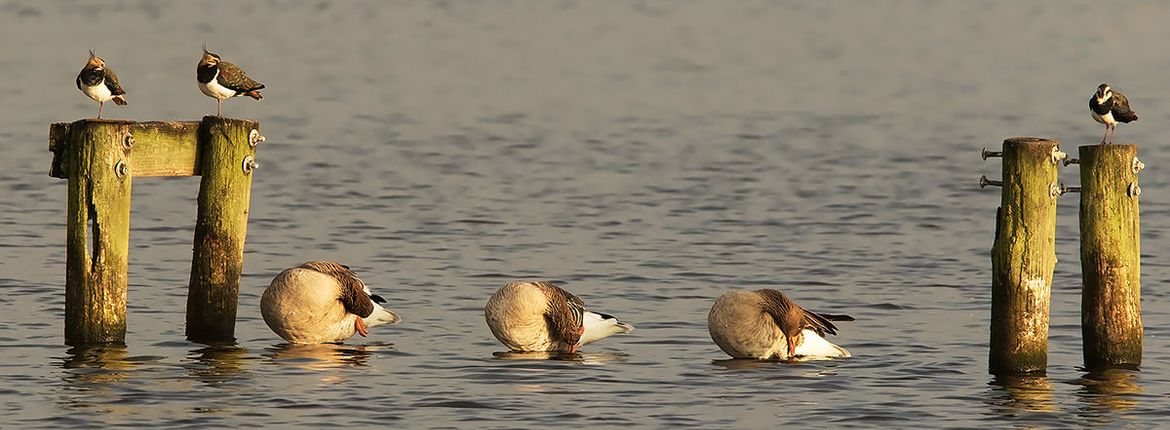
1109, 390
1024, 393
590, 358
99, 364
218, 363
322, 356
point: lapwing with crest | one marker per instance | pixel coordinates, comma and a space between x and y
222, 80
1110, 107
100, 83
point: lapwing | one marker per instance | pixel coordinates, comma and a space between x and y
100, 83
221, 80
1110, 107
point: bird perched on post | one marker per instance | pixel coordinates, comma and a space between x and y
1110, 107
221, 80
100, 83
766, 324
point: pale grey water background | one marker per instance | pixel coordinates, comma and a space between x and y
653, 154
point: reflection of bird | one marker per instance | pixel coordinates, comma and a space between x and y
100, 83
321, 301
1110, 107
766, 324
221, 80
541, 316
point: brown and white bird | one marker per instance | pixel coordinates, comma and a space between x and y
322, 302
221, 80
100, 83
1110, 107
531, 316
766, 324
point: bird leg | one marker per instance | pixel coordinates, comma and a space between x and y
361, 327
1105, 135
1112, 130
217, 110
100, 105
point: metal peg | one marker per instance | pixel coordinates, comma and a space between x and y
249, 164
1138, 165
1071, 160
128, 140
1067, 189
1134, 190
121, 169
987, 153
254, 138
1058, 155
984, 182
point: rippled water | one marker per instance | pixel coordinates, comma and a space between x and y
652, 154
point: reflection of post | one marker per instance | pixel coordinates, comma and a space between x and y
1027, 393
220, 363
1111, 390
103, 363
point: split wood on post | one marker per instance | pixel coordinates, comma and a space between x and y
100, 158
1023, 256
1111, 322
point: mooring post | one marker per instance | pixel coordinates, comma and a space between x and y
1111, 316
1023, 255
227, 159
96, 155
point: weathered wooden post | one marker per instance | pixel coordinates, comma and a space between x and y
95, 156
1111, 320
228, 158
1023, 255
96, 160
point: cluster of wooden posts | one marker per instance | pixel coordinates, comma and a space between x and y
100, 158
1023, 255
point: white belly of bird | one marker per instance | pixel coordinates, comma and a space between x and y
1106, 119
214, 89
99, 92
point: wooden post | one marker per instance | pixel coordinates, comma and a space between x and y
95, 155
1023, 256
97, 163
224, 193
1111, 320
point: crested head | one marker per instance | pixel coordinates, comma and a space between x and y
208, 58
1104, 91
94, 61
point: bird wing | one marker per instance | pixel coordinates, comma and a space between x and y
353, 291
112, 83
234, 78
790, 316
566, 312
1121, 110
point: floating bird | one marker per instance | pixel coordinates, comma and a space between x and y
100, 83
222, 80
320, 302
766, 324
1110, 107
541, 316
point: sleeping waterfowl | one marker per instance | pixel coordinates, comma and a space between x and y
320, 302
542, 316
766, 324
